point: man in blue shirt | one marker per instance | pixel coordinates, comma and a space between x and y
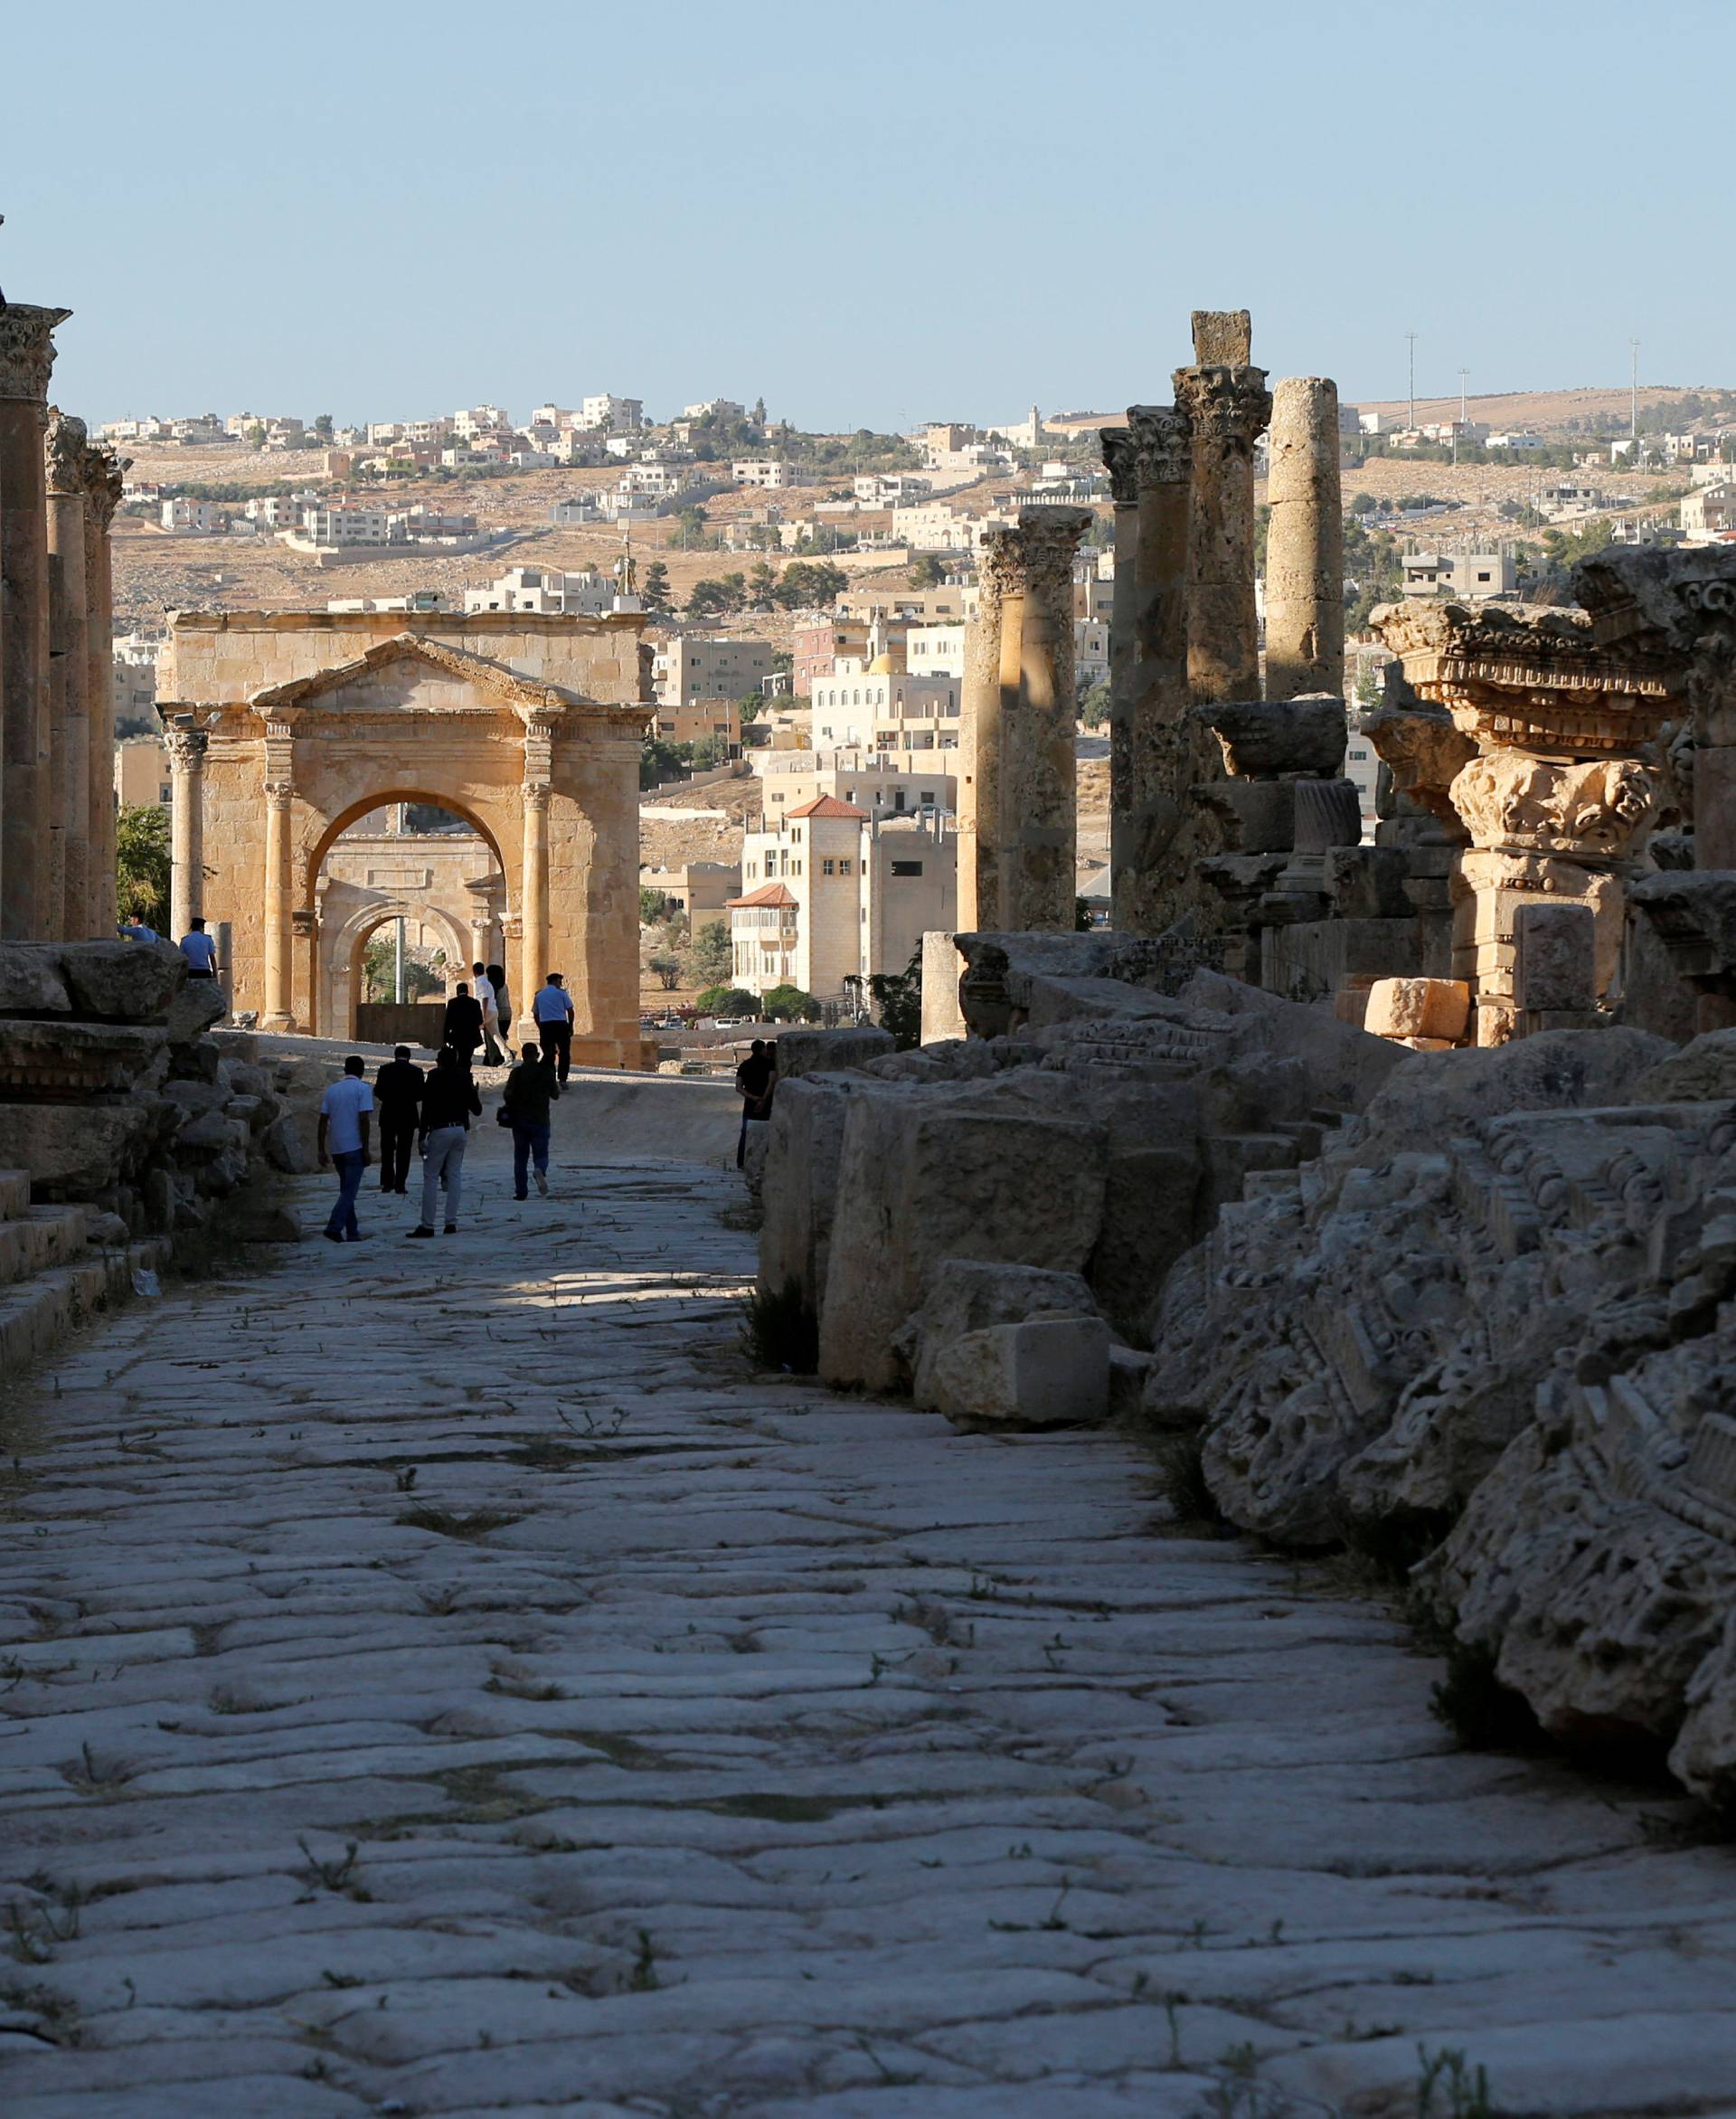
200, 951
346, 1115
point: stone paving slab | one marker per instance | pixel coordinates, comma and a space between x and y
441, 1678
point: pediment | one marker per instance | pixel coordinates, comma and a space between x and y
411, 674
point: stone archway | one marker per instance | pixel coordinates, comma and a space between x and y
343, 945
527, 726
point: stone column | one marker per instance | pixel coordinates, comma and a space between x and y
1167, 753
981, 843
1305, 543
26, 358
1227, 406
68, 665
188, 748
103, 477
279, 903
1039, 762
535, 910
1120, 459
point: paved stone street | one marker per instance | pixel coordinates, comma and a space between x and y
441, 1678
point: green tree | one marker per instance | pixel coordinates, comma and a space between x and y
710, 958
380, 970
789, 1004
323, 426
654, 592
667, 970
762, 582
715, 598
654, 905
727, 1000
692, 518
926, 572
142, 864
255, 436
898, 995
1094, 704
660, 761
710, 750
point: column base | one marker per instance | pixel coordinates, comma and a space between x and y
283, 1023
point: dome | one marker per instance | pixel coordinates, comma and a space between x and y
882, 666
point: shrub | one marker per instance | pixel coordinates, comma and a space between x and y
780, 1329
1180, 1473
727, 1000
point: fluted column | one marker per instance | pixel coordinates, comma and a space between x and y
103, 477
186, 748
1165, 753
1227, 406
68, 672
1305, 543
27, 358
1039, 760
981, 839
278, 897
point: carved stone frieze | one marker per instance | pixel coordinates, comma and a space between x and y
1590, 811
1163, 443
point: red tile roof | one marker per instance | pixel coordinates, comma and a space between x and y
828, 805
769, 893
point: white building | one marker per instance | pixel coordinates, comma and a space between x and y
1708, 514
890, 488
608, 414
935, 651
280, 511
870, 704
135, 676
765, 472
714, 408
1517, 443
335, 524
586, 594
193, 518
1473, 576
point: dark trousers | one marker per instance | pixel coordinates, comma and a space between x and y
528, 1141
349, 1168
556, 1040
465, 1052
749, 1117
396, 1138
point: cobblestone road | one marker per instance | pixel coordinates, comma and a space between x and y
441, 1679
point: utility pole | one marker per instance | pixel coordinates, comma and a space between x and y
1633, 392
398, 993
1411, 422
1464, 417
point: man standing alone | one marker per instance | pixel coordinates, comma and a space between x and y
346, 1115
553, 1008
398, 1092
462, 1029
200, 951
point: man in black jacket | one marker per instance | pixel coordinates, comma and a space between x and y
449, 1103
463, 1027
398, 1098
531, 1088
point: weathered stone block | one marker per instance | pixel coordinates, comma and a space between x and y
1417, 1007
1258, 815
1266, 738
29, 980
819, 1052
804, 1139
1328, 813
924, 1177
1223, 338
943, 1015
971, 1295
73, 1150
125, 982
1048, 1373
1554, 956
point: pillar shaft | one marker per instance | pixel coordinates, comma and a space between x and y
1227, 408
103, 475
1039, 767
69, 683
1305, 543
535, 912
980, 849
1165, 754
26, 358
188, 748
1121, 461
279, 1000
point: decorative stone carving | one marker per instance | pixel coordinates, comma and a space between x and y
1231, 407
1120, 459
27, 349
104, 479
65, 445
186, 748
1591, 811
1163, 443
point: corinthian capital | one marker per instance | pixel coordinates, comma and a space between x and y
63, 448
186, 748
998, 572
1044, 543
1163, 443
1121, 460
104, 480
27, 349
1228, 405
1511, 800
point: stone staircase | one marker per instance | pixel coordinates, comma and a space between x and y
53, 1276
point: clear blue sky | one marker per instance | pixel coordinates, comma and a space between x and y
870, 214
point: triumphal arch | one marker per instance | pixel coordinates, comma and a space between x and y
286, 727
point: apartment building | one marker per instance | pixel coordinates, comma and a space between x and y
880, 708
586, 594
700, 889
605, 413
891, 488
193, 518
698, 721
936, 651
884, 784
471, 421
142, 779
689, 666
831, 896
715, 408
135, 676
346, 524
1475, 576
280, 511
765, 472
1708, 515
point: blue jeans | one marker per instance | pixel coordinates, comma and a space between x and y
349, 1165
528, 1140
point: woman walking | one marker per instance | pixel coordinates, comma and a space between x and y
449, 1102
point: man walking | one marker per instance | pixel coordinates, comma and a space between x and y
449, 1103
462, 1029
552, 1009
398, 1094
346, 1115
756, 1079
484, 989
200, 951
531, 1088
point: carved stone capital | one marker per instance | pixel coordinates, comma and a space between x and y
64, 451
1120, 459
280, 793
998, 572
186, 748
103, 479
1044, 547
537, 794
1588, 812
1163, 442
27, 349
1228, 406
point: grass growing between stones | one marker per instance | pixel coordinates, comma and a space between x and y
1181, 1475
782, 1330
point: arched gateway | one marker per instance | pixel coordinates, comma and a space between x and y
287, 726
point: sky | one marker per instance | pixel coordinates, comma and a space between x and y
872, 215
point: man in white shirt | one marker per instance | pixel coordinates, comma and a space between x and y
346, 1116
200, 951
483, 987
553, 1008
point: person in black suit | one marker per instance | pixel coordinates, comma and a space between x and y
463, 1027
398, 1097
